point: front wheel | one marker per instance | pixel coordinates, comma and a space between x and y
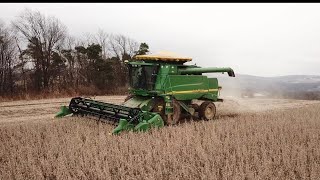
174, 118
170, 119
207, 111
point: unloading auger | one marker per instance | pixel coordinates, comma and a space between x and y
162, 88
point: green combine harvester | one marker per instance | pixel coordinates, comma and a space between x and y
162, 89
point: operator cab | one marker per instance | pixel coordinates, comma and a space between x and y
144, 69
143, 76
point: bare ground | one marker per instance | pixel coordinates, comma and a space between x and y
44, 110
40, 110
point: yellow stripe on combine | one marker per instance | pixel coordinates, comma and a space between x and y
192, 91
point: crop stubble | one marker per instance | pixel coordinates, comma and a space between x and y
250, 139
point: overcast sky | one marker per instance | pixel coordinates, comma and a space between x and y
262, 39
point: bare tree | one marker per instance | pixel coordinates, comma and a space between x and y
87, 39
8, 59
133, 47
122, 47
37, 54
114, 47
102, 38
22, 64
68, 54
45, 35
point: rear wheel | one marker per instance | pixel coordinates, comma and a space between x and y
207, 111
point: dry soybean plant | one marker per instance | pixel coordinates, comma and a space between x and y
268, 145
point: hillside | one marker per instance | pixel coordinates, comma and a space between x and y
269, 86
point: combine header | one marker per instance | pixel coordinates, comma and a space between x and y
162, 89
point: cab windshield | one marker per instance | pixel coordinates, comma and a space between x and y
142, 76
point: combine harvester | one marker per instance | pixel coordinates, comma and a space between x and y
162, 89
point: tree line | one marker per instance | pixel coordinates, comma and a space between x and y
39, 56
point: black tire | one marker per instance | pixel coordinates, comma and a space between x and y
174, 118
159, 102
207, 111
195, 107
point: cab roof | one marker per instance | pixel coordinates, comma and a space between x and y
163, 56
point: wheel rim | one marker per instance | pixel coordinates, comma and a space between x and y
209, 112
